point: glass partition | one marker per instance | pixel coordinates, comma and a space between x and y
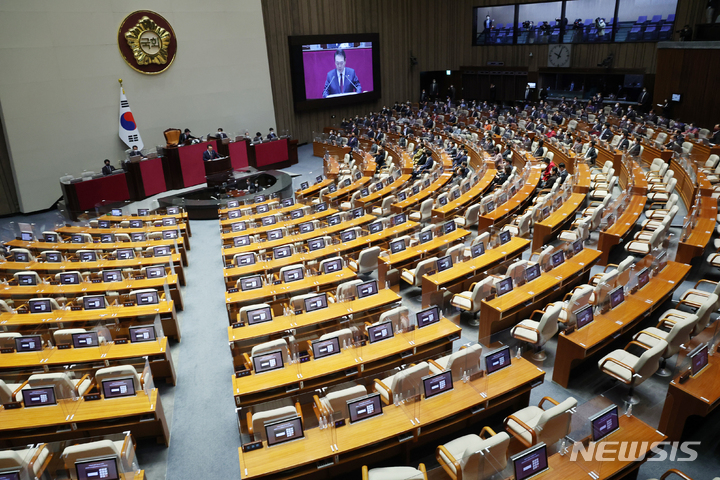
494, 25
539, 22
589, 21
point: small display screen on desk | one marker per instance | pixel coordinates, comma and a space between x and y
332, 266
147, 298
426, 236
260, 198
346, 183
444, 263
577, 246
234, 214
325, 348
316, 244
604, 423
397, 246
86, 339
436, 384
238, 226
169, 221
293, 275
93, 302
124, 254
89, 256
136, 224
505, 237
378, 186
698, 359
139, 237
443, 200
348, 236
375, 227
173, 210
161, 251
111, 275
317, 302
276, 234
504, 286
584, 316
617, 296
259, 315
643, 277
251, 283
532, 272
20, 256
307, 227
382, 331
489, 206
169, 234
427, 317
71, 278
367, 289
321, 207
245, 259
402, 196
415, 189
77, 238
50, 237
497, 360
318, 179
288, 202
365, 407
103, 224
283, 431
357, 213
530, 462
364, 192
389, 181
334, 220
358, 175
233, 204
116, 212
39, 397
557, 258
26, 278
39, 306
241, 241
269, 220
263, 208
10, 475
155, 272
299, 213
142, 333
399, 219
449, 227
456, 193
477, 250
118, 387
304, 186
268, 361
28, 343
282, 252
105, 469
52, 257
107, 238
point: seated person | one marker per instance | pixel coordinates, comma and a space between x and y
107, 169
271, 134
220, 133
425, 167
502, 175
540, 150
379, 159
185, 136
548, 170
258, 137
135, 152
562, 173
461, 172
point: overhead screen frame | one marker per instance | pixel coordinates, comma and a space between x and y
297, 72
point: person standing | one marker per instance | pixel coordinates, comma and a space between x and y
210, 154
644, 100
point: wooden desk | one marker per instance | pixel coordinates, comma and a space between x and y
102, 264
557, 220
255, 217
166, 310
313, 190
412, 255
457, 206
575, 348
517, 202
96, 232
267, 293
694, 245
320, 148
378, 195
289, 223
249, 205
344, 192
180, 218
461, 275
622, 226
141, 414
507, 310
425, 193
47, 290
381, 437
583, 181
157, 354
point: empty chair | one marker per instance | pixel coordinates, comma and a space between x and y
543, 258
461, 458
537, 333
643, 247
579, 297
603, 190
7, 339
350, 204
470, 300
521, 225
121, 450
399, 316
711, 163
25, 274
516, 271
43, 255
599, 173
694, 298
663, 194
620, 267
348, 289
345, 337
244, 310
658, 167
334, 403
675, 331
120, 371
653, 180
414, 276
425, 212
28, 462
464, 362
658, 222
395, 473
290, 267
456, 252
366, 262
257, 420
386, 207
631, 369
470, 217
65, 387
63, 336
22, 251
582, 231
483, 238
406, 380
533, 425
701, 315
279, 344
660, 213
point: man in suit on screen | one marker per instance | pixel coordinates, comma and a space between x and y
342, 79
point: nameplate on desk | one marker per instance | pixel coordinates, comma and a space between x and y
139, 277
129, 304
74, 259
304, 357
477, 408
54, 283
325, 463
232, 290
298, 312
7, 350
12, 405
120, 341
405, 438
91, 397
96, 280
569, 329
277, 282
292, 388
64, 346
340, 423
230, 266
242, 373
249, 447
227, 246
238, 324
75, 308
22, 311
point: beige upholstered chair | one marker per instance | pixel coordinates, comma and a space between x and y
395, 473
533, 425
474, 457
631, 369
406, 380
464, 361
537, 333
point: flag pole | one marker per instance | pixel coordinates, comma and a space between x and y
121, 87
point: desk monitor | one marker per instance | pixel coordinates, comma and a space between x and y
142, 333
103, 224
375, 227
497, 360
357, 212
268, 361
269, 220
169, 221
172, 210
397, 246
169, 234
116, 212
415, 189
111, 275
318, 179
20, 256
93, 302
617, 296
241, 240
39, 397
557, 258
28, 343
321, 207
426, 183
364, 407
263, 209
532, 272
276, 234
147, 298
698, 359
299, 213
465, 187
50, 237
71, 278
156, 271
346, 183
161, 251
7, 475
456, 193
675, 97
426, 236
307, 227
107, 238
604, 423
85, 339
443, 201
502, 198
234, 214
577, 246
39, 306
284, 431
364, 192
399, 219
583, 316
504, 237
76, 238
489, 206
367, 289
545, 213
513, 190
437, 384
288, 202
358, 176
26, 236
427, 317
136, 224
125, 253
233, 204
316, 244
282, 252
245, 259
251, 283
293, 275
477, 249
382, 331
138, 236
449, 227
444, 263
27, 279
662, 260
504, 286
260, 199
402, 196
304, 186
332, 266
325, 348
643, 277
118, 387
316, 302
530, 462
348, 235
259, 315
334, 220
389, 181
53, 257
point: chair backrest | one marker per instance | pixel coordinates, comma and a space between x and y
703, 313
554, 423
409, 379
625, 264
544, 258
712, 161
668, 175
483, 237
64, 387
579, 298
245, 309
348, 288
524, 223
87, 451
172, 136
278, 344
426, 209
465, 360
671, 185
679, 334
368, 259
456, 252
120, 371
35, 275
649, 362
423, 267
399, 316
336, 402
344, 335
7, 339
516, 271
657, 163
548, 325
259, 419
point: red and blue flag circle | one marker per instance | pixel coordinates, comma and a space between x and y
127, 121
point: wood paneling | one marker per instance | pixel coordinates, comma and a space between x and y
438, 33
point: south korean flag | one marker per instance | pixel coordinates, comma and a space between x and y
128, 128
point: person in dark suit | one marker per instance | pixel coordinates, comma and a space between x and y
220, 133
135, 152
107, 169
341, 79
185, 136
257, 138
210, 154
607, 133
625, 142
434, 89
271, 134
591, 154
352, 141
644, 100
715, 138
423, 97
425, 166
451, 94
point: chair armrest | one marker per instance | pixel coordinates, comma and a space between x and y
702, 280
643, 332
441, 461
299, 412
318, 408
488, 430
387, 390
525, 427
541, 312
248, 419
548, 399
246, 361
617, 362
435, 364
686, 303
633, 342
532, 329
422, 468
676, 472
82, 379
